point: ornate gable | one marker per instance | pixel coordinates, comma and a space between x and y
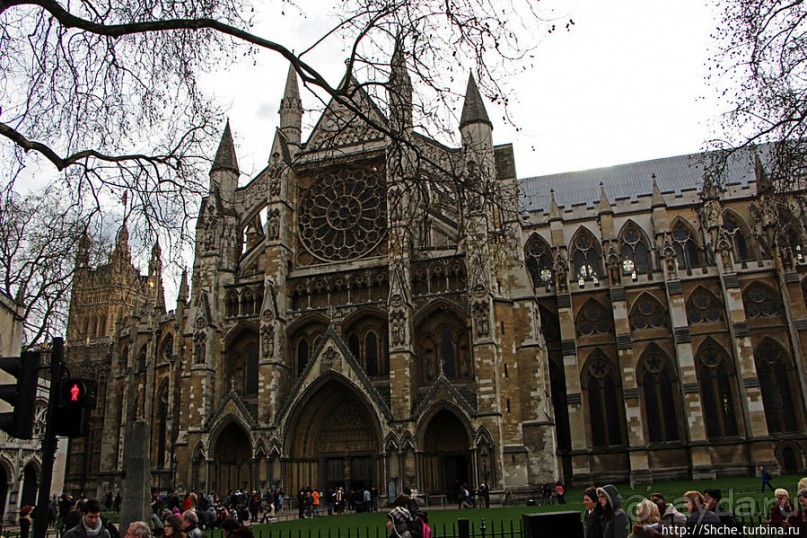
340, 126
440, 392
232, 406
333, 357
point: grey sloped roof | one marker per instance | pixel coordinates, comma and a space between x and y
630, 181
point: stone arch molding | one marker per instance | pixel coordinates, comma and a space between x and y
332, 361
199, 452
221, 423
442, 402
8, 466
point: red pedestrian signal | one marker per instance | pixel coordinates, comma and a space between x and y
76, 402
74, 391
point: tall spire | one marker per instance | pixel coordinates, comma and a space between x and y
83, 254
400, 88
473, 109
291, 109
182, 296
225, 155
156, 264
122, 242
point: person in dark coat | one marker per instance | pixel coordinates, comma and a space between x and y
615, 520
799, 519
593, 514
90, 525
699, 516
25, 521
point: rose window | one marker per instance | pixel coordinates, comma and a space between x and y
343, 215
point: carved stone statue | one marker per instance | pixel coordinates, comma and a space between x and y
275, 171
200, 347
561, 274
482, 319
273, 225
268, 341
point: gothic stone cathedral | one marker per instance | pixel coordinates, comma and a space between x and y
614, 324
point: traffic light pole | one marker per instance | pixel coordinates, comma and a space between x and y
49, 441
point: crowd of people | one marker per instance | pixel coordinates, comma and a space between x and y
190, 514
706, 515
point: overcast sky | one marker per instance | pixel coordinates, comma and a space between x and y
626, 84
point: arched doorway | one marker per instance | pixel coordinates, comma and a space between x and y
789, 460
333, 441
232, 460
29, 485
446, 457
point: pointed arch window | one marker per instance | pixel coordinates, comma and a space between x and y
448, 353
736, 230
232, 303
760, 301
716, 381
586, 256
251, 370
647, 313
703, 307
539, 261
429, 359
634, 250
776, 383
371, 354
686, 248
248, 302
354, 346
302, 356
162, 424
141, 359
593, 319
657, 380
604, 392
168, 348
445, 351
366, 340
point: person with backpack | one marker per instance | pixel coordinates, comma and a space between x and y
560, 491
399, 522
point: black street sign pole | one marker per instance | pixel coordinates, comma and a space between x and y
49, 441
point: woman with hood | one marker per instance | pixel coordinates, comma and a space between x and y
615, 521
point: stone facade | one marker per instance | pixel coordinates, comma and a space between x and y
340, 327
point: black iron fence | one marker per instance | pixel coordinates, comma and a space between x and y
491, 529
751, 525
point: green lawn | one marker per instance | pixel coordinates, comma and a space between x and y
741, 494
